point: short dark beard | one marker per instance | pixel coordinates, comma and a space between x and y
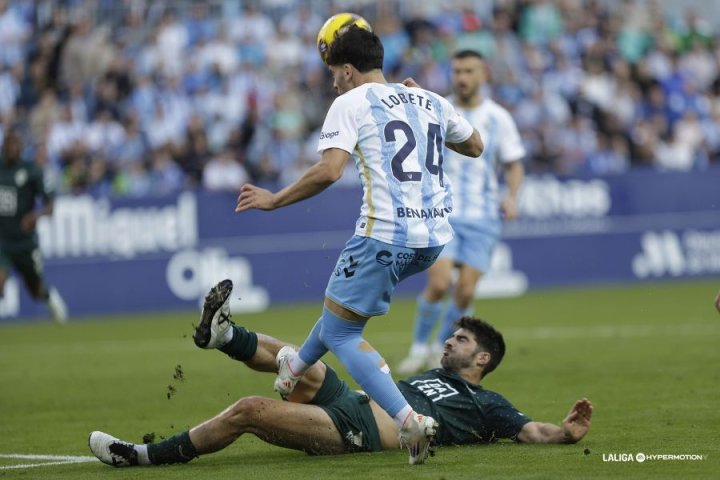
454, 364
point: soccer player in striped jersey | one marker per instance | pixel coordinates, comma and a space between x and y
477, 214
395, 135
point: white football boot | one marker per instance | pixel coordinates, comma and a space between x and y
285, 381
112, 451
416, 434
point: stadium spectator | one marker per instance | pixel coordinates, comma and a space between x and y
224, 173
323, 416
133, 146
9, 90
14, 32
64, 134
104, 135
134, 181
166, 176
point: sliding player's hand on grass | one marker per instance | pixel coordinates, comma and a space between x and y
577, 422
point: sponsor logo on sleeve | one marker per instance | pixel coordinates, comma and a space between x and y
329, 135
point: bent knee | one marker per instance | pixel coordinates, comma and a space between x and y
245, 411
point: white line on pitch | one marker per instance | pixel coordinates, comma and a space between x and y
58, 460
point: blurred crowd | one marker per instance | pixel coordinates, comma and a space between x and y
137, 98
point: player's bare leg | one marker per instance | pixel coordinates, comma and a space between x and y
429, 309
462, 299
439, 280
467, 281
285, 424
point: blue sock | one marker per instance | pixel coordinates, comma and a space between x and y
452, 315
427, 315
367, 367
313, 349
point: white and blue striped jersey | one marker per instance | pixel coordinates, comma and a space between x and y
396, 135
475, 183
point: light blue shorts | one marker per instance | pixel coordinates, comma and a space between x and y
368, 271
473, 243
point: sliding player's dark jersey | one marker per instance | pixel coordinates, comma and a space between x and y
467, 413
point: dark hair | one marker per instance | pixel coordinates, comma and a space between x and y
488, 339
358, 47
468, 54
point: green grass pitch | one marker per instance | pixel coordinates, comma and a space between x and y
647, 356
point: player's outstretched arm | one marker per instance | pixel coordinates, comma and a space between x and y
574, 427
316, 179
717, 301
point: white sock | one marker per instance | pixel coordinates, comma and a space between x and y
402, 415
142, 452
297, 366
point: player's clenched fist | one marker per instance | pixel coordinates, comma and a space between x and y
254, 197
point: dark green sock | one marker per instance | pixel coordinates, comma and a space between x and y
243, 344
176, 449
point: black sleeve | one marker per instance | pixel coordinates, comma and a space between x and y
504, 420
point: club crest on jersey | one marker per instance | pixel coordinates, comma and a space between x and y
21, 177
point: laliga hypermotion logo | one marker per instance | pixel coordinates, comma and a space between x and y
641, 457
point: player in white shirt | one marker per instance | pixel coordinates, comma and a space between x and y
477, 211
395, 135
